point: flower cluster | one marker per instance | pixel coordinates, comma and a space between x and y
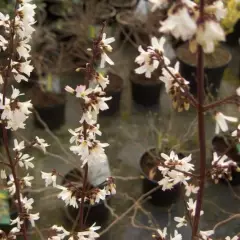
174, 170
14, 112
150, 59
222, 167
185, 22
58, 233
176, 86
71, 193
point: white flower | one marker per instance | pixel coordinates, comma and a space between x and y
26, 68
208, 33
105, 46
41, 143
1, 79
24, 49
50, 178
236, 132
15, 93
32, 218
101, 195
67, 196
218, 9
191, 189
181, 221
206, 234
221, 122
168, 79
148, 64
83, 92
18, 146
158, 46
177, 236
101, 80
163, 233
12, 234
82, 149
27, 180
60, 231
12, 188
17, 221
3, 174
3, 42
180, 24
166, 183
25, 160
238, 91
69, 89
234, 238
27, 203
192, 207
90, 234
222, 161
158, 4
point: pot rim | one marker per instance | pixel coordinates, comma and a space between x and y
207, 68
147, 83
129, 4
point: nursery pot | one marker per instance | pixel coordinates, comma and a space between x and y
145, 92
51, 109
214, 66
159, 197
220, 145
233, 37
97, 213
114, 90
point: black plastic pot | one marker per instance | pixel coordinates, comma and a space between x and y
145, 92
220, 145
53, 115
97, 213
212, 75
115, 93
159, 197
233, 37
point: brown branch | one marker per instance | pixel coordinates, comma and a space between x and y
226, 221
218, 103
201, 131
129, 210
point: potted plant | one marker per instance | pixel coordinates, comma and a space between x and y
93, 213
214, 66
149, 163
145, 91
225, 145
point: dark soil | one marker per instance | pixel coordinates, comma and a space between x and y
116, 83
141, 79
45, 99
219, 58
